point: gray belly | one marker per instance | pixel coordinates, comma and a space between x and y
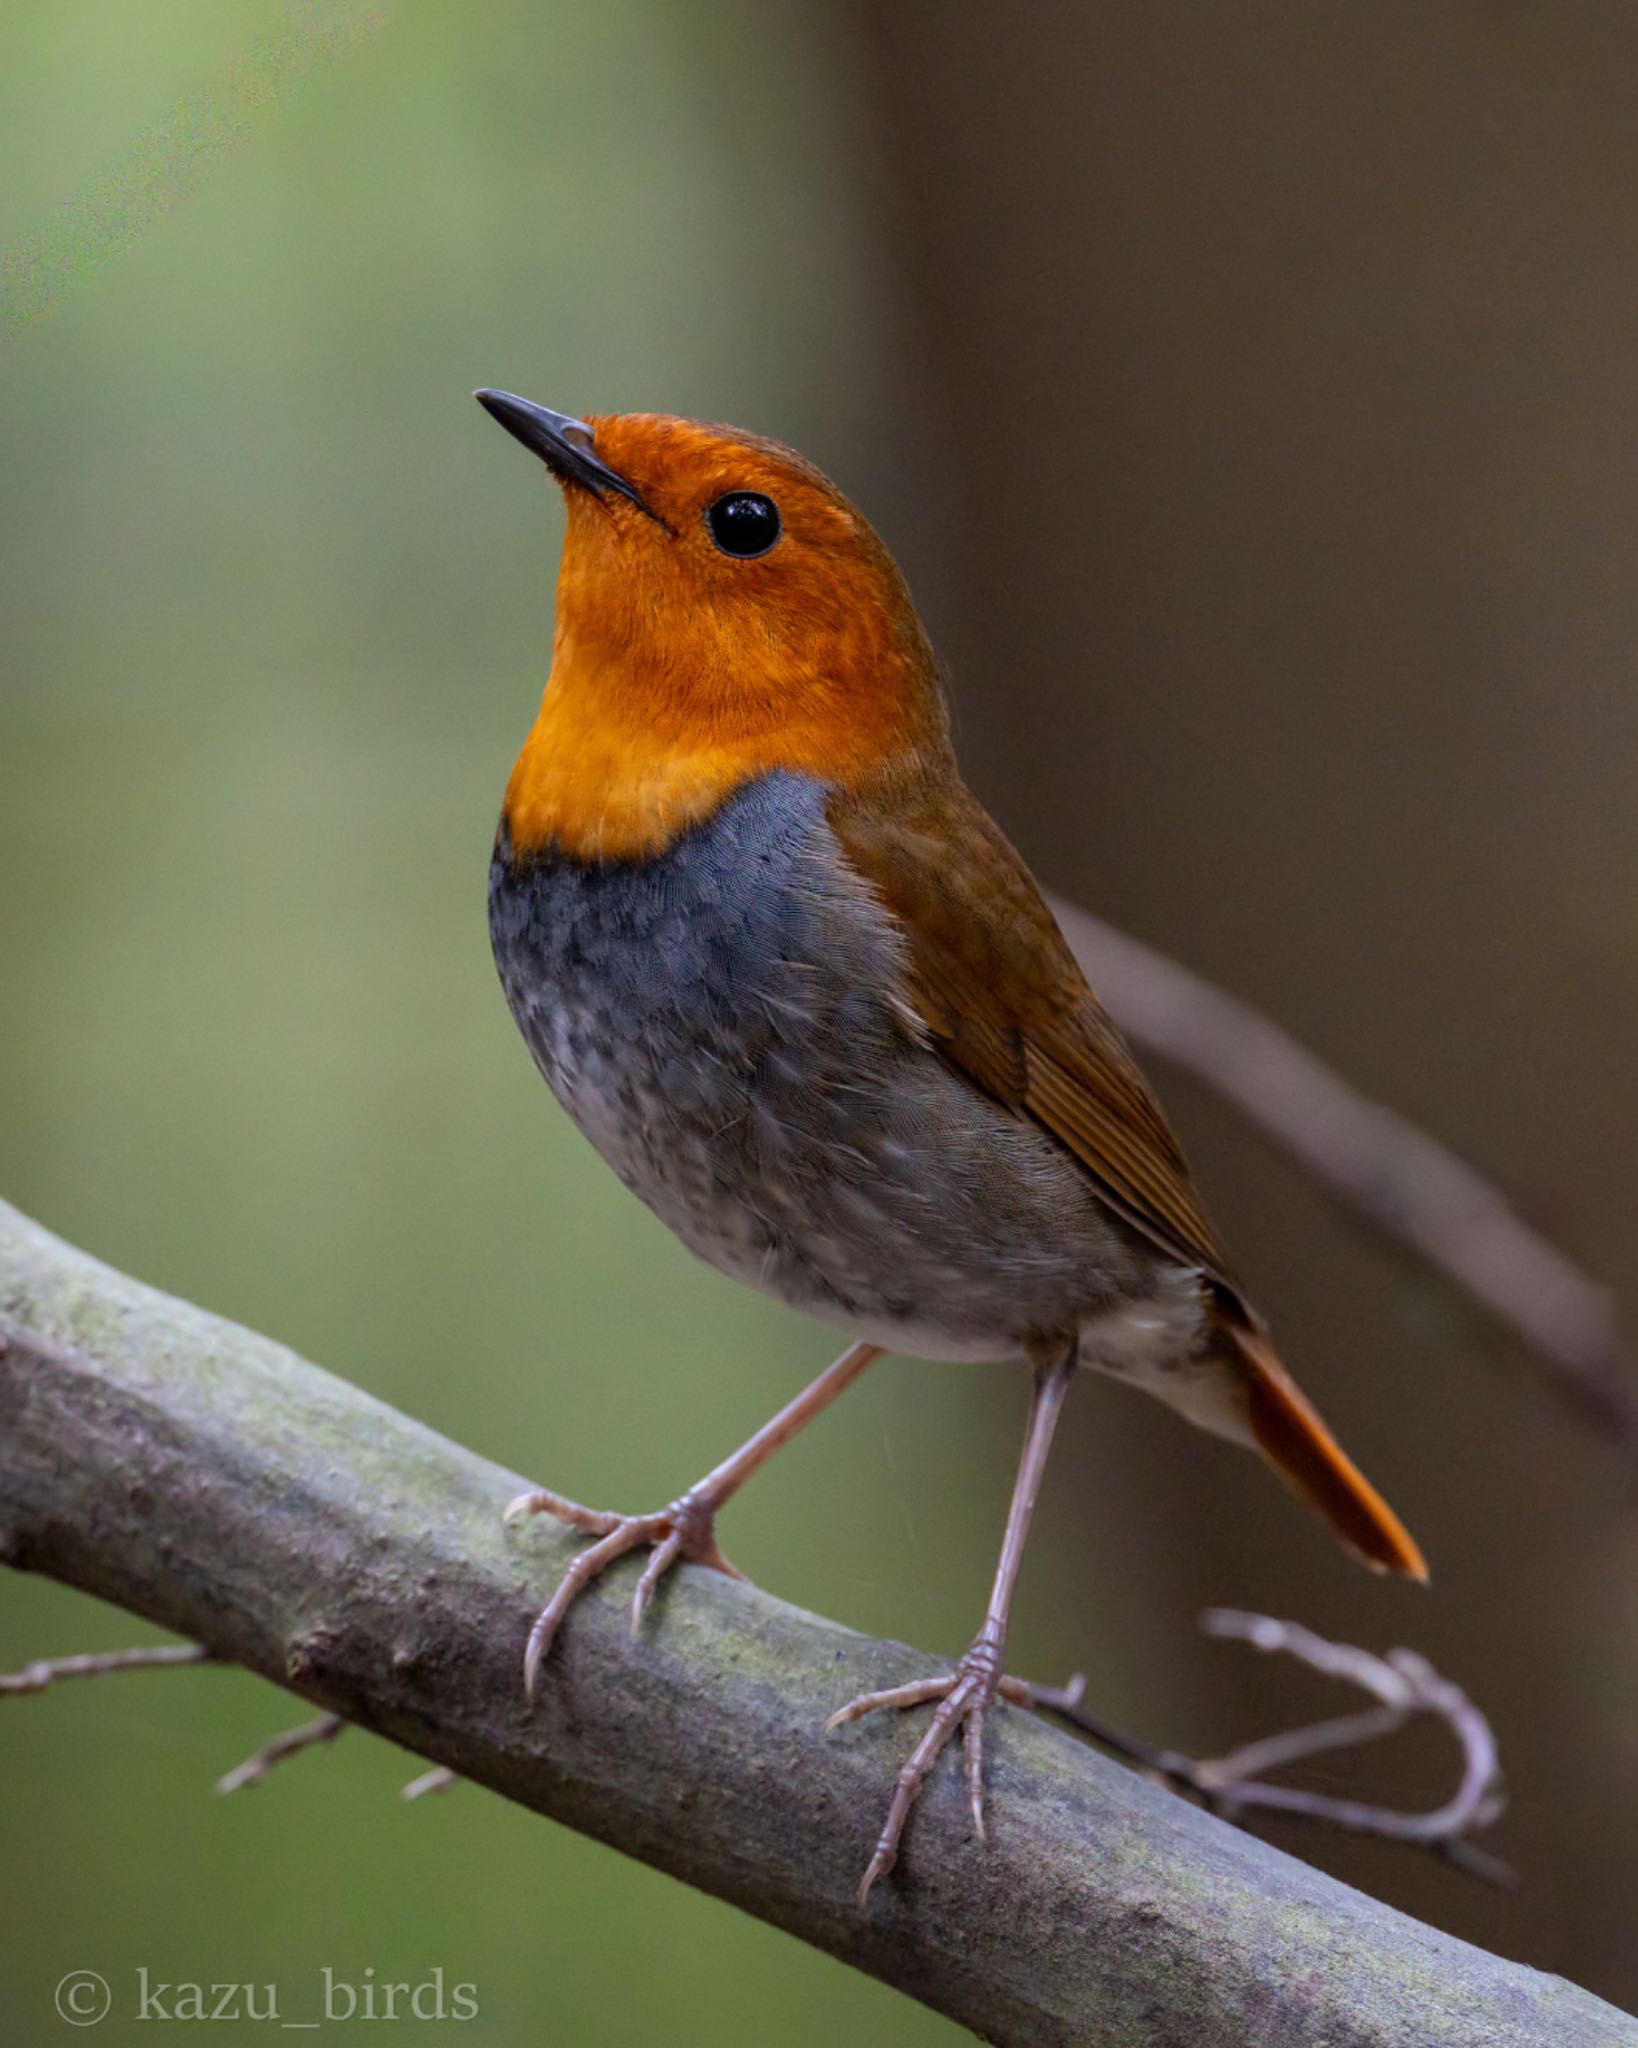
717, 1023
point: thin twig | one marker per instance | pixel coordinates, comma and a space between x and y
438, 1780
291, 1743
1407, 1687
1378, 1162
49, 1671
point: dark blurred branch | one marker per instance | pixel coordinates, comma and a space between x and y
209, 1480
1375, 1161
1408, 1688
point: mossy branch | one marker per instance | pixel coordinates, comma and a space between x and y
205, 1478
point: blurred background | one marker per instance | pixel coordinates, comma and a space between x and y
1249, 392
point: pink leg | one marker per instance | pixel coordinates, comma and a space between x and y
685, 1529
965, 1694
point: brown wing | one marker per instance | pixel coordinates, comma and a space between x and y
993, 983
1001, 997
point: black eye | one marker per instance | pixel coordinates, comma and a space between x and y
744, 523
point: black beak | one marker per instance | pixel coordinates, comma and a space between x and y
565, 445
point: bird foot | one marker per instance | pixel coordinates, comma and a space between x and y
684, 1530
965, 1696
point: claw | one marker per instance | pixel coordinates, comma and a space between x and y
964, 1696
879, 1866
684, 1530
664, 1557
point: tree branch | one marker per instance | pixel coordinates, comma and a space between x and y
211, 1481
1377, 1163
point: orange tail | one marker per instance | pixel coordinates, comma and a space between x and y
1287, 1429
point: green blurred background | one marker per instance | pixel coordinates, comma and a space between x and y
1248, 393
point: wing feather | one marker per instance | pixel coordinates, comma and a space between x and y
1003, 1001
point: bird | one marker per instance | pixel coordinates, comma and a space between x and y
787, 974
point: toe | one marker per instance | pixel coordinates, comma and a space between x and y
625, 1535
916, 1694
715, 1559
964, 1698
972, 1735
665, 1555
541, 1501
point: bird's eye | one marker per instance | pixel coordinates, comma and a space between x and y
744, 523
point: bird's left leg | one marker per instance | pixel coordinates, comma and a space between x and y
965, 1694
684, 1530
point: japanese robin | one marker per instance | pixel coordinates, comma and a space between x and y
788, 976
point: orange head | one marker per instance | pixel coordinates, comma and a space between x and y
722, 610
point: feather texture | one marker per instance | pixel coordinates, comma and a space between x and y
1002, 999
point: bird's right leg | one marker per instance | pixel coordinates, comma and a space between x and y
965, 1695
686, 1529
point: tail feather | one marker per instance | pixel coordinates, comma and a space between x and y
1286, 1427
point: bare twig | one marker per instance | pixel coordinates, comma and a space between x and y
1377, 1162
323, 1728
46, 1672
49, 1671
439, 1780
1407, 1686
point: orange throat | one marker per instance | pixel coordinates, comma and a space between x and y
615, 768
599, 791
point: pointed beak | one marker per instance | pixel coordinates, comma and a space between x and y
565, 445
